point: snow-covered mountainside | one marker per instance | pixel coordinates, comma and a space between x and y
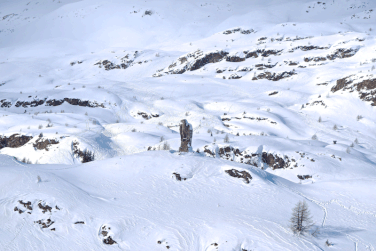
280, 94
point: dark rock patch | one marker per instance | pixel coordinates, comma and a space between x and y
273, 161
33, 103
147, 116
85, 156
26, 204
178, 177
304, 177
45, 223
43, 144
365, 88
45, 208
274, 76
5, 103
273, 93
240, 174
339, 53
79, 222
107, 239
14, 141
213, 57
74, 101
245, 32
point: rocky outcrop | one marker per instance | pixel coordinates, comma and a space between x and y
240, 174
245, 32
273, 161
85, 156
186, 132
43, 144
125, 62
33, 103
5, 103
14, 141
339, 53
51, 102
304, 177
274, 76
366, 88
147, 116
264, 159
74, 101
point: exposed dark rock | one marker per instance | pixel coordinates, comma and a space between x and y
45, 223
74, 101
274, 76
178, 177
240, 174
147, 116
234, 59
263, 53
26, 204
45, 208
212, 57
245, 32
43, 144
186, 132
79, 222
85, 156
273, 93
304, 177
234, 76
366, 88
14, 141
109, 241
5, 103
16, 209
33, 103
274, 162
339, 53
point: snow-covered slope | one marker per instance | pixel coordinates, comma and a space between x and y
290, 83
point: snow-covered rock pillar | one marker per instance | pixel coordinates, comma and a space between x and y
186, 132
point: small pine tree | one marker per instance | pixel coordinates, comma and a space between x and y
226, 139
356, 141
166, 146
335, 128
314, 137
319, 119
301, 221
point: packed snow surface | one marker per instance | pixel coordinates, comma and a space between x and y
280, 94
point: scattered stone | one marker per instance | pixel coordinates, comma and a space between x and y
273, 93
45, 208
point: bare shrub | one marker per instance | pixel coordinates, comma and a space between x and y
301, 220
226, 139
166, 146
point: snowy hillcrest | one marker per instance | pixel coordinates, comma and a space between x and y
281, 96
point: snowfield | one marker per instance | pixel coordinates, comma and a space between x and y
280, 94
